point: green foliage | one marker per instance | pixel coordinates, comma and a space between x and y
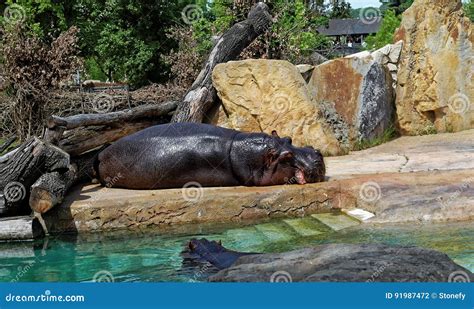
126, 37
385, 34
45, 18
340, 9
389, 134
292, 35
469, 9
398, 6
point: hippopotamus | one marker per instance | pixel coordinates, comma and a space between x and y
176, 154
199, 251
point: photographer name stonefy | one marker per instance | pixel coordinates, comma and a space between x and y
424, 295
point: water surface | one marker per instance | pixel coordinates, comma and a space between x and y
154, 255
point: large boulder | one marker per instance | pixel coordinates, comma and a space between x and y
266, 95
356, 96
435, 91
347, 263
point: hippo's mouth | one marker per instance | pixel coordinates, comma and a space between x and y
300, 179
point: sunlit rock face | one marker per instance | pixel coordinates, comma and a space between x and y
266, 95
356, 95
435, 90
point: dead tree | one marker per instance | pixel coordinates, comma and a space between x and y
202, 95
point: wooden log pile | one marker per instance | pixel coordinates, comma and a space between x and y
36, 176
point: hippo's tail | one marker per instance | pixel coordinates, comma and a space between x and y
96, 162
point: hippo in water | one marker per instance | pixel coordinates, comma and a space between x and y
201, 251
176, 154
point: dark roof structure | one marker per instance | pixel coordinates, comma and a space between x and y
351, 26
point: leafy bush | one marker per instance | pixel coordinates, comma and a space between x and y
469, 9
385, 34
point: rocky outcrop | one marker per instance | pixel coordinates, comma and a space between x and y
266, 95
356, 96
435, 90
346, 263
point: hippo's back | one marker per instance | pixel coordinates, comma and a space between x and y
169, 156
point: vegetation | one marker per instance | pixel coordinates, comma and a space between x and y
385, 34
388, 135
469, 9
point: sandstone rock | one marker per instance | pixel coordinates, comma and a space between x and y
316, 58
357, 91
266, 95
305, 70
389, 53
435, 90
345, 263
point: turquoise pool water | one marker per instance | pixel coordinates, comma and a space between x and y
155, 255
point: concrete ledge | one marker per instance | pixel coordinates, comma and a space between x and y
411, 179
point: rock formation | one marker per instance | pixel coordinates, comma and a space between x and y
266, 95
435, 90
345, 263
355, 94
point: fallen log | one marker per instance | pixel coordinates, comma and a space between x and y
49, 190
202, 95
22, 168
82, 140
20, 228
84, 120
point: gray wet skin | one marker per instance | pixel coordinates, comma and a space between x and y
172, 155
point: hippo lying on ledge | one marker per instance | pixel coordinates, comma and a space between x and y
173, 155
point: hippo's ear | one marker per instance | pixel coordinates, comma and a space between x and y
219, 242
275, 134
191, 246
270, 157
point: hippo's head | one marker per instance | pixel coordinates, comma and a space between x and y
286, 164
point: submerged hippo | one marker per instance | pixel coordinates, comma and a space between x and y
199, 251
173, 155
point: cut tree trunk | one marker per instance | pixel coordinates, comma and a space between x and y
82, 140
202, 94
22, 168
50, 189
81, 133
20, 228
